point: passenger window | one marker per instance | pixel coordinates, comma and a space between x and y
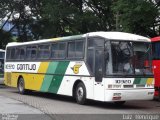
79, 49
44, 51
58, 50
12, 53
8, 55
62, 48
54, 51
31, 52
71, 50
75, 49
22, 53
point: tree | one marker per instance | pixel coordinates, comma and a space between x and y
38, 19
5, 38
137, 16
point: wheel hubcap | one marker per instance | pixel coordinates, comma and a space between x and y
21, 86
80, 93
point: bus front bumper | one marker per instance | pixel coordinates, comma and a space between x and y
129, 94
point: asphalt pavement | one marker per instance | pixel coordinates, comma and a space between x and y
46, 106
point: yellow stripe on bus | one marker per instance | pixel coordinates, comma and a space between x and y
40, 76
34, 81
149, 81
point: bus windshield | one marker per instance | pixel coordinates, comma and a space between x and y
129, 58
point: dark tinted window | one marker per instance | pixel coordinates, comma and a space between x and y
13, 51
22, 53
79, 49
8, 54
156, 50
75, 49
90, 59
31, 52
58, 50
71, 50
93, 44
96, 42
44, 51
61, 51
54, 51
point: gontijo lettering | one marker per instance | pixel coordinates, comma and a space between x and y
26, 66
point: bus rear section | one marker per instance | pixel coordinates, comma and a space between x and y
156, 64
2, 53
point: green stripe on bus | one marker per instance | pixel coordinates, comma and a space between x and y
46, 83
48, 78
57, 79
143, 81
137, 81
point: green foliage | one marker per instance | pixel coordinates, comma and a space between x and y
39, 19
5, 38
137, 16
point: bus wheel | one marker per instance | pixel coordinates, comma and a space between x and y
80, 93
119, 102
21, 87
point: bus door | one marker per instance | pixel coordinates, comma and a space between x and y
98, 65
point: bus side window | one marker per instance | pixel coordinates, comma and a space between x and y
79, 49
54, 53
76, 49
62, 50
8, 55
22, 54
44, 51
71, 50
12, 53
31, 52
17, 55
34, 52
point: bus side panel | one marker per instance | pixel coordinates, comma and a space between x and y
54, 76
7, 78
14, 79
76, 70
67, 84
34, 81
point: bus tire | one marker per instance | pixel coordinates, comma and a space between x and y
80, 93
119, 102
21, 86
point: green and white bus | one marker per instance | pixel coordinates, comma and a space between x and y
101, 66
